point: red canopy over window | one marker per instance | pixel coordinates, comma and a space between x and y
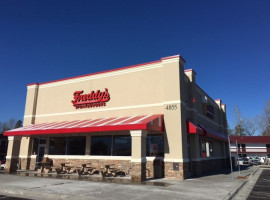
193, 129
145, 122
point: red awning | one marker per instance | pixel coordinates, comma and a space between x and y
213, 134
145, 122
193, 129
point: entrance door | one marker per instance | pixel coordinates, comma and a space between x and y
41, 151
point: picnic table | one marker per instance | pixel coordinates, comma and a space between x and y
87, 168
62, 168
109, 171
66, 167
45, 165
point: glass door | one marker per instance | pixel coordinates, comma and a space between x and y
41, 151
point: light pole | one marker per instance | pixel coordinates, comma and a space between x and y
229, 140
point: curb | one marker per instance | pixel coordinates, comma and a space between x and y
235, 191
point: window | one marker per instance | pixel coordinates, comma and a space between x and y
101, 145
207, 148
67, 146
268, 148
203, 149
35, 146
76, 146
155, 145
111, 145
36, 143
121, 146
57, 146
211, 152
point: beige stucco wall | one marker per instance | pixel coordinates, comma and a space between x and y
142, 90
132, 92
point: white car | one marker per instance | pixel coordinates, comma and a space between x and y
240, 161
3, 166
262, 160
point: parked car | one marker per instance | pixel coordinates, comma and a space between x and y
255, 161
246, 161
262, 160
240, 161
3, 166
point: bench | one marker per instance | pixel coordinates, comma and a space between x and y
45, 165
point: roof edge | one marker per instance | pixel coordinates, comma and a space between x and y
95, 73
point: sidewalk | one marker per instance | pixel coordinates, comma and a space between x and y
217, 186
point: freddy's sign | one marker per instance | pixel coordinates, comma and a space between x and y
92, 99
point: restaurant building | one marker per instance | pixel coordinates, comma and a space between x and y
151, 118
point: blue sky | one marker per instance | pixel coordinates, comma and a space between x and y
226, 42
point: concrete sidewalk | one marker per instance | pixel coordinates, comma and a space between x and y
217, 186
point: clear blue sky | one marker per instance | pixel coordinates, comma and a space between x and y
226, 42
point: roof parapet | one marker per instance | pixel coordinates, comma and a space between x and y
191, 74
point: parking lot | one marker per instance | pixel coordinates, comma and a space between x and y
261, 189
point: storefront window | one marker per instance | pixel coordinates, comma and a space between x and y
207, 149
101, 145
57, 146
211, 152
37, 144
121, 146
203, 149
76, 145
67, 146
155, 145
111, 145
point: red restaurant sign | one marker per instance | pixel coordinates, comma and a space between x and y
92, 99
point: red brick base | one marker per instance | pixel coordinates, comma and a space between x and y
180, 174
24, 163
32, 165
155, 169
11, 165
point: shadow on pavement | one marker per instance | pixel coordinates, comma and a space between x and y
11, 198
227, 171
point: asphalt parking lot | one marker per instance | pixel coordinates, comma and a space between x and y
261, 189
213, 186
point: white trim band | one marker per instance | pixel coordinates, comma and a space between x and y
139, 160
106, 109
87, 157
175, 160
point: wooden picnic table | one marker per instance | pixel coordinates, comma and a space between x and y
61, 168
110, 171
44, 166
66, 167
